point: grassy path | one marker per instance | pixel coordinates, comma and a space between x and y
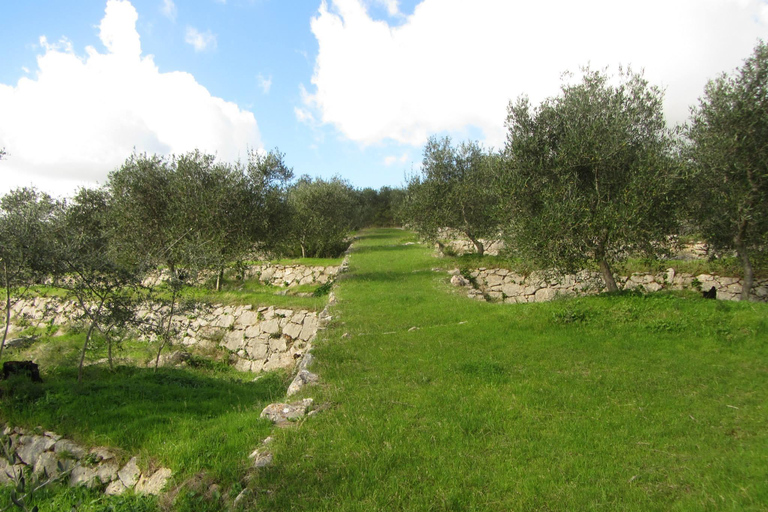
604, 403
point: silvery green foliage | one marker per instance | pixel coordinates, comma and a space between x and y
590, 175
455, 190
729, 152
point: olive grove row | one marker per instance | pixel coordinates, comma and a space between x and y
596, 175
189, 214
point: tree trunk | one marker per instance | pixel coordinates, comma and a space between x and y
303, 251
82, 352
7, 308
605, 270
109, 353
749, 275
167, 333
219, 279
478, 245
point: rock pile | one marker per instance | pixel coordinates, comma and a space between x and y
502, 285
49, 455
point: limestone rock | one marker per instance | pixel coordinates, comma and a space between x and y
458, 280
48, 464
29, 448
69, 447
247, 319
233, 340
130, 473
155, 483
281, 413
82, 475
116, 488
303, 378
271, 326
293, 330
9, 472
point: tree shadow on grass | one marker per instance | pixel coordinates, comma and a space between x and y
127, 407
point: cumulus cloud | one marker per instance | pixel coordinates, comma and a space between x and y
201, 41
81, 116
169, 9
453, 65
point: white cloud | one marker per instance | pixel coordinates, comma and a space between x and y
201, 41
454, 64
169, 9
304, 116
265, 83
391, 160
79, 117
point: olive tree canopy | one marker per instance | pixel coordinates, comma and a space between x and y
729, 150
589, 174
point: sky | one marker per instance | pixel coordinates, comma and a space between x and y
352, 88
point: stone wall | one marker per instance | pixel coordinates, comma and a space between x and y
48, 455
267, 273
502, 285
263, 338
291, 275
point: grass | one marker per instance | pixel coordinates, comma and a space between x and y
437, 402
202, 420
309, 262
613, 402
257, 294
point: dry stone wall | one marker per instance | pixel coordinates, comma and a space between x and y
502, 285
259, 339
48, 455
291, 275
268, 273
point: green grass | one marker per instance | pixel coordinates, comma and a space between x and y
309, 262
438, 402
257, 294
621, 402
202, 420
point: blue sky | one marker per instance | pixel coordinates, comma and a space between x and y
347, 87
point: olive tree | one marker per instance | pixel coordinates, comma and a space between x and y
729, 150
103, 286
322, 213
26, 217
455, 190
590, 175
